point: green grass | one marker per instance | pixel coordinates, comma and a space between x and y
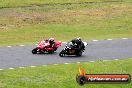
64, 22
27, 25
61, 32
63, 76
14, 3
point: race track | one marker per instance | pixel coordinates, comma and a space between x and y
19, 56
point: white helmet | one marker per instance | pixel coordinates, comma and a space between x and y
79, 38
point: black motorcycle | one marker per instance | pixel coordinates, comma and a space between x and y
71, 49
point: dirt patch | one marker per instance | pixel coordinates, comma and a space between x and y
12, 18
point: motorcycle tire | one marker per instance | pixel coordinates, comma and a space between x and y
62, 53
34, 51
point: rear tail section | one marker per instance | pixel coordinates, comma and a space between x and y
58, 43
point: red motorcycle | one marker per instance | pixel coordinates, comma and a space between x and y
44, 47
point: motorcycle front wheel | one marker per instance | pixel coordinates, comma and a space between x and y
34, 51
62, 53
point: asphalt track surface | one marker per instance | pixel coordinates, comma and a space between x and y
19, 56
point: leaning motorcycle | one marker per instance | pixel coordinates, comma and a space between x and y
44, 47
71, 49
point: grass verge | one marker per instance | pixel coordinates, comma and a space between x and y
15, 3
27, 25
61, 32
63, 76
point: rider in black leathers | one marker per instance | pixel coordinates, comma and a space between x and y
52, 42
78, 43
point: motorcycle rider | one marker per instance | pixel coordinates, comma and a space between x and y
51, 42
78, 43
46, 40
81, 43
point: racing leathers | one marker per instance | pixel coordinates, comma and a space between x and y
78, 44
